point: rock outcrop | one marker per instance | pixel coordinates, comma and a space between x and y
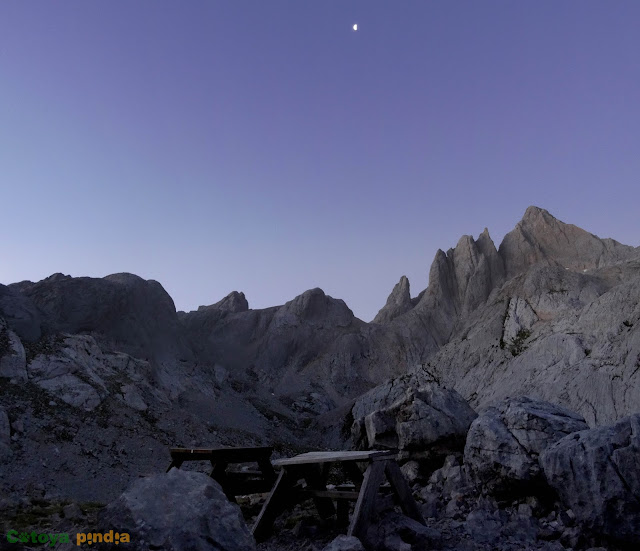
596, 473
505, 441
13, 361
175, 511
21, 314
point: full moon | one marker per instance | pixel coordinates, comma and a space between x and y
355, 27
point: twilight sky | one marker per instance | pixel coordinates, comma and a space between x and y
264, 146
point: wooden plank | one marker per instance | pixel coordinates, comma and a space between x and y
335, 456
366, 500
403, 492
175, 464
230, 455
334, 494
267, 469
275, 502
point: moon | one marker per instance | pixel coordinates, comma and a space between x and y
355, 27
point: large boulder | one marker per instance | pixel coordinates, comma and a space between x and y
427, 422
597, 474
505, 441
179, 510
344, 543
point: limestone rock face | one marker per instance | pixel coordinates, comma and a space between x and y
178, 510
505, 441
12, 355
539, 237
428, 422
20, 313
398, 303
133, 315
75, 370
596, 473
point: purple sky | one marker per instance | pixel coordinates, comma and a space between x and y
265, 147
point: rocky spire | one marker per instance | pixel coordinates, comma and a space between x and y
398, 303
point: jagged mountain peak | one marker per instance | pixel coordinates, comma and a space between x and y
540, 237
398, 303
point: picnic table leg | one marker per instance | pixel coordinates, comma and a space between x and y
342, 506
403, 492
219, 474
175, 463
272, 506
366, 499
353, 472
316, 478
267, 469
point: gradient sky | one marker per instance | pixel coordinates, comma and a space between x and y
263, 146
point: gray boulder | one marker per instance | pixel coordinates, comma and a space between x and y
427, 423
13, 362
344, 543
179, 510
597, 474
505, 441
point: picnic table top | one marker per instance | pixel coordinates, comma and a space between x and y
336, 456
228, 454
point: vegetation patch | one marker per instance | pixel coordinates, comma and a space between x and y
517, 345
4, 341
47, 345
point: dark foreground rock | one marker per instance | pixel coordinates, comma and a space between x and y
179, 510
505, 441
344, 543
597, 473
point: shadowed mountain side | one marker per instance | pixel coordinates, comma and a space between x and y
312, 343
124, 311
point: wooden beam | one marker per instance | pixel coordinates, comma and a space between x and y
275, 502
316, 480
334, 494
365, 505
403, 492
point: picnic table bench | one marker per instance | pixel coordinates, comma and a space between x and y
314, 467
233, 483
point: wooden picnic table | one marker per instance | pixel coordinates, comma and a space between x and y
233, 483
314, 467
